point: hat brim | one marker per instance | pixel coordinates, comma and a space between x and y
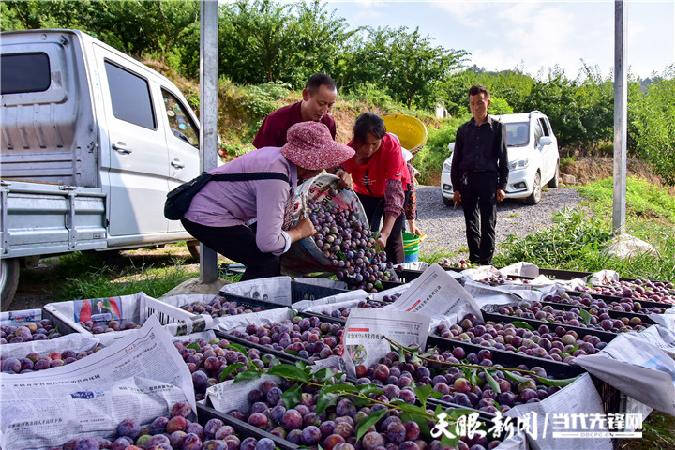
326, 156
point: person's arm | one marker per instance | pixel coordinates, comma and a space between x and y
455, 175
333, 129
267, 136
502, 165
271, 199
503, 162
393, 207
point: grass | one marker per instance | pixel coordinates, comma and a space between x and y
658, 433
434, 257
578, 238
154, 281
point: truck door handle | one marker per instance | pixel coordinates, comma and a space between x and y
177, 164
120, 147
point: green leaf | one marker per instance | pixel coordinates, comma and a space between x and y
360, 402
423, 392
322, 375
401, 355
585, 316
512, 376
473, 377
492, 383
339, 388
237, 348
324, 400
558, 383
229, 370
292, 396
301, 364
408, 407
372, 419
195, 346
519, 324
247, 375
289, 372
369, 389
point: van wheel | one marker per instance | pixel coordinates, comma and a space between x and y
193, 248
536, 190
447, 201
10, 270
555, 181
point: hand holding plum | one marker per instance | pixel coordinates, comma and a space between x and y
304, 228
346, 181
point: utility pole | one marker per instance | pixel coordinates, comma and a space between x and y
620, 123
208, 117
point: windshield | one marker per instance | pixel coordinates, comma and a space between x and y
517, 134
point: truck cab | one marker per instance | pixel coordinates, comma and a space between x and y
92, 141
534, 159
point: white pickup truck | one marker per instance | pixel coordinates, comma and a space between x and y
92, 141
534, 159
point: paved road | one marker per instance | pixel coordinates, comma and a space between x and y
445, 225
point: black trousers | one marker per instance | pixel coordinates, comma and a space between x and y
479, 195
374, 207
238, 244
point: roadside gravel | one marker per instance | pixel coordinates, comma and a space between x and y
445, 229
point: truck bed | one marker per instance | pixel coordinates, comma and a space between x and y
42, 219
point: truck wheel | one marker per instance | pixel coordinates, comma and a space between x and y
9, 281
193, 248
555, 181
536, 190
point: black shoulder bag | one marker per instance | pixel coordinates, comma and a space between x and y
179, 199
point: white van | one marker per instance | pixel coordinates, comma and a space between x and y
533, 155
92, 141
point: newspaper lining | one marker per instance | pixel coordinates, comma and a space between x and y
366, 328
139, 376
635, 364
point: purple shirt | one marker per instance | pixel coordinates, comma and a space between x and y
272, 132
231, 203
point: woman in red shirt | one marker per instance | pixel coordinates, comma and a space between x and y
378, 174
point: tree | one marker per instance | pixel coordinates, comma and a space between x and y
403, 62
651, 127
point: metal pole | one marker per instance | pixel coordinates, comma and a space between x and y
620, 124
208, 107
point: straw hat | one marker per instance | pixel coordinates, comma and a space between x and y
310, 146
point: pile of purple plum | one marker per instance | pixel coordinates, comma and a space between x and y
308, 338
586, 300
36, 361
219, 307
29, 331
555, 343
207, 360
343, 312
639, 289
348, 243
109, 326
174, 432
396, 376
596, 319
335, 428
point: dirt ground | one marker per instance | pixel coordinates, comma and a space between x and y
37, 285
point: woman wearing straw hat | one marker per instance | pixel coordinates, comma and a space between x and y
219, 213
379, 176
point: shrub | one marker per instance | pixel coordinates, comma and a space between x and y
429, 160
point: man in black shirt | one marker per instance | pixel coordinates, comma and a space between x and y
479, 173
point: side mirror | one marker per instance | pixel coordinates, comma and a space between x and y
545, 140
451, 147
